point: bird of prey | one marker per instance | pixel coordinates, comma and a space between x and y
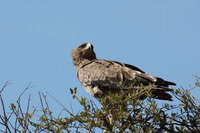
99, 76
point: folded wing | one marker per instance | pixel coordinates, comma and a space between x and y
105, 75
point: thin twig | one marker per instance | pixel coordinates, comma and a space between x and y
5, 85
5, 118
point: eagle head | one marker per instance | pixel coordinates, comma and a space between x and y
83, 51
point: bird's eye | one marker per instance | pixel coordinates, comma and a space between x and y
82, 46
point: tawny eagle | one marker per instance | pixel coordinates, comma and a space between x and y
99, 76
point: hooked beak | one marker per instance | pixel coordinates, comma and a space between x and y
88, 45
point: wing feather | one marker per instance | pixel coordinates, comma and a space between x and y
104, 73
100, 73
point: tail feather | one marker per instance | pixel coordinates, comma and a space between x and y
170, 83
162, 82
162, 95
161, 88
158, 92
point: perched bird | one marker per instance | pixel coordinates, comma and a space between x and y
99, 76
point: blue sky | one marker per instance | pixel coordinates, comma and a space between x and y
36, 38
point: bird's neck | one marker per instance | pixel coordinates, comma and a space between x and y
81, 62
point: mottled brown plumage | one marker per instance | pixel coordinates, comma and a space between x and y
99, 76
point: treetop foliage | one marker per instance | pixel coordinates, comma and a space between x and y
120, 112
